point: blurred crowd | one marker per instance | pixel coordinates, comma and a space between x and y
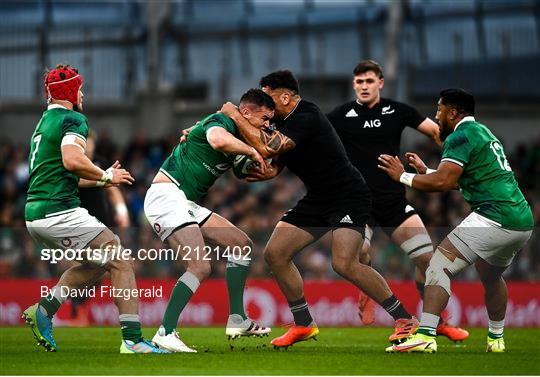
254, 208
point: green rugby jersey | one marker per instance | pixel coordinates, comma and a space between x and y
487, 182
194, 165
51, 187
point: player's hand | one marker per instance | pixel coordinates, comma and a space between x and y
229, 109
391, 165
416, 162
122, 176
256, 176
186, 132
260, 165
116, 165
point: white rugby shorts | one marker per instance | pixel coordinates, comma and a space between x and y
72, 229
479, 237
167, 209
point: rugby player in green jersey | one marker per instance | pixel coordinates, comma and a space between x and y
500, 224
170, 206
54, 218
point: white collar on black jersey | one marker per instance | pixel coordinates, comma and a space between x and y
361, 104
292, 111
465, 119
56, 106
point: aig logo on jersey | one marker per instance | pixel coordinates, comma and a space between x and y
372, 123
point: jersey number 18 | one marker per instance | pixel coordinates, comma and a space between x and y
497, 149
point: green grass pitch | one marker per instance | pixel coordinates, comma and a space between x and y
338, 351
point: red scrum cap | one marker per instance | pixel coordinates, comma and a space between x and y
63, 83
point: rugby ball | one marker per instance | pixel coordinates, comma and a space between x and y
242, 165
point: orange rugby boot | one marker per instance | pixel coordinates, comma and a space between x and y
455, 334
295, 334
403, 328
366, 309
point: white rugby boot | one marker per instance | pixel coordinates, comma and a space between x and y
170, 341
238, 326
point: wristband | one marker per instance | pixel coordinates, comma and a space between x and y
121, 209
407, 178
107, 176
429, 171
100, 183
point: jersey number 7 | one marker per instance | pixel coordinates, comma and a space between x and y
36, 140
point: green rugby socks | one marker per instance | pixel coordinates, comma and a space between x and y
235, 275
131, 327
50, 304
183, 290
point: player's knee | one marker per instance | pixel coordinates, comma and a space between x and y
244, 242
239, 248
113, 257
341, 266
441, 268
242, 250
271, 256
240, 254
364, 256
422, 262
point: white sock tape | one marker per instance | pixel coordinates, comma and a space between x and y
239, 259
417, 245
190, 280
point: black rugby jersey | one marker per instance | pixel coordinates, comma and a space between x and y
367, 133
319, 158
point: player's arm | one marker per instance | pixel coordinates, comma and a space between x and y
121, 213
87, 183
431, 130
75, 161
445, 178
222, 140
268, 143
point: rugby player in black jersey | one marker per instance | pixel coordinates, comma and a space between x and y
337, 200
368, 127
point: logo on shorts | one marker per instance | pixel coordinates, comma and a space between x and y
157, 227
66, 242
409, 208
346, 219
191, 213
